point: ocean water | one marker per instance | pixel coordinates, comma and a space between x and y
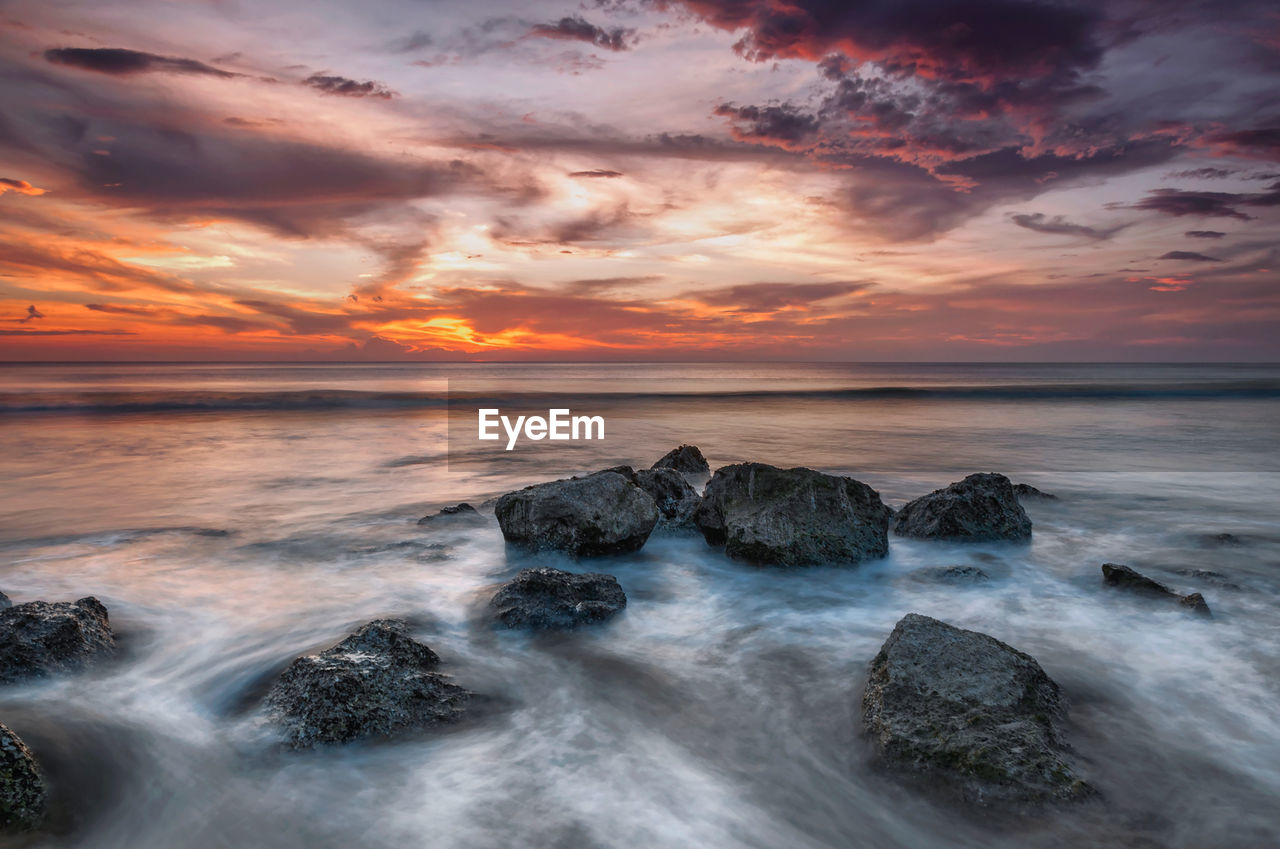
234, 517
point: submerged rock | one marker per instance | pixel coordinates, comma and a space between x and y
603, 513
1210, 577
687, 460
1117, 575
1026, 490
41, 638
457, 513
375, 683
980, 507
952, 574
22, 791
970, 711
792, 517
554, 599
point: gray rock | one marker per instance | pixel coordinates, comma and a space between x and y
687, 460
979, 716
377, 682
22, 791
603, 513
675, 498
792, 517
551, 599
4, 601
1117, 575
1210, 577
952, 574
462, 513
42, 638
981, 507
1026, 490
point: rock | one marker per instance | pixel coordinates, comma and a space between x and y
41, 638
980, 507
375, 683
4, 601
1223, 539
22, 791
952, 574
687, 460
966, 709
1026, 490
675, 498
1210, 577
548, 599
1117, 575
792, 517
458, 513
603, 513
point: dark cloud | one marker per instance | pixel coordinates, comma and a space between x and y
1189, 256
344, 87
1060, 226
67, 333
1261, 143
599, 172
784, 125
1208, 204
1205, 234
579, 29
32, 312
770, 297
1203, 174
120, 61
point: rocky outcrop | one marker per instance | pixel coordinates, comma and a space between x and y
792, 517
42, 638
1117, 575
1026, 490
551, 599
951, 575
22, 791
460, 514
979, 508
4, 601
979, 716
675, 498
603, 513
377, 682
687, 460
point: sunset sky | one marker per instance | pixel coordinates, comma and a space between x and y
687, 179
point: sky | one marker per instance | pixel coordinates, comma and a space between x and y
981, 180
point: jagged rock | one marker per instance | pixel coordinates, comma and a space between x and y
603, 513
548, 599
375, 683
687, 460
792, 517
41, 638
970, 711
1117, 575
952, 574
675, 498
4, 601
980, 507
22, 791
1026, 490
462, 513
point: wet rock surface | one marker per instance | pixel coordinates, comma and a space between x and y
22, 790
377, 682
675, 498
687, 460
552, 599
973, 715
982, 507
603, 513
792, 517
41, 638
1026, 490
1123, 577
4, 601
462, 513
952, 575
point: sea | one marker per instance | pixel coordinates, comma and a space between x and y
235, 516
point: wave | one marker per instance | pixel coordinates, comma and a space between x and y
334, 399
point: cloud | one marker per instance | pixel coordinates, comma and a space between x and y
22, 187
1189, 256
32, 312
1205, 234
1263, 143
579, 29
1060, 226
770, 297
598, 172
783, 125
119, 61
344, 87
1179, 202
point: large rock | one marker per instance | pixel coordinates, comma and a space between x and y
375, 683
792, 517
550, 599
967, 710
675, 498
603, 513
22, 793
980, 507
687, 460
41, 638
1122, 577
